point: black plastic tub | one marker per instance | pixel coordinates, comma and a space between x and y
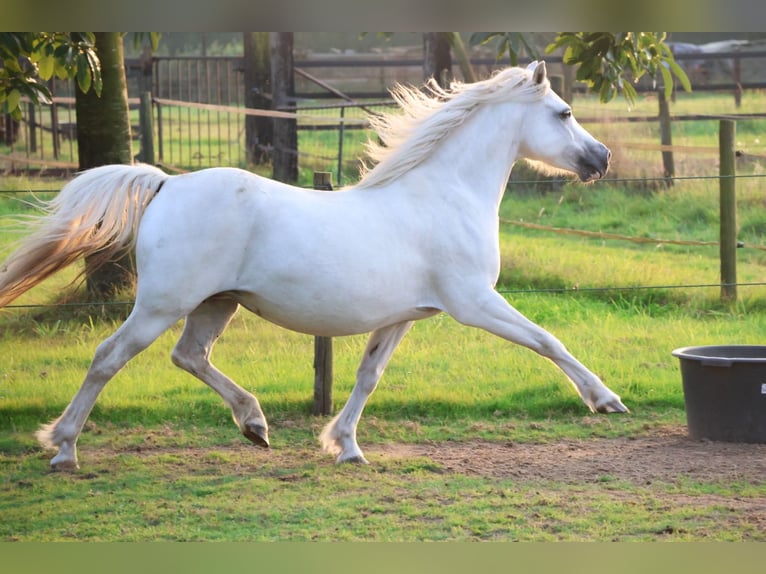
725, 392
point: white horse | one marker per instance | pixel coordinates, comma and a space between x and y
418, 235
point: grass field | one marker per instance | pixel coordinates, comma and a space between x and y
162, 460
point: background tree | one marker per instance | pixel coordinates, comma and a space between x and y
103, 137
437, 57
259, 131
103, 127
285, 155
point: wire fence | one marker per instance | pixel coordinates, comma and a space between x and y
193, 135
619, 237
503, 291
526, 225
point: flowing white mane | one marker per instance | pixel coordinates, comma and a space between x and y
408, 138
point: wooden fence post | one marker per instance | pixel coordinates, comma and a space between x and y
666, 138
341, 133
728, 207
55, 130
323, 345
32, 122
147, 128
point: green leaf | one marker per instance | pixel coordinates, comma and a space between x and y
83, 73
12, 65
606, 93
481, 38
95, 70
12, 100
629, 92
45, 66
60, 51
531, 50
61, 72
680, 74
34, 90
667, 78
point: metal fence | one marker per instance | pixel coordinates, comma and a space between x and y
191, 137
208, 80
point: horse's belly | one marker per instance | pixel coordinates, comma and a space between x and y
332, 318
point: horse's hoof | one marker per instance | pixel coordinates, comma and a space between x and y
614, 406
358, 459
257, 434
64, 465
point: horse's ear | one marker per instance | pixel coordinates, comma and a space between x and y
539, 74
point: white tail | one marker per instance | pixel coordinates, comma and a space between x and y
97, 212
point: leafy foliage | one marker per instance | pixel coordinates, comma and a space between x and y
604, 58
29, 59
608, 62
511, 42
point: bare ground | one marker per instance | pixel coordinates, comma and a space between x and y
664, 456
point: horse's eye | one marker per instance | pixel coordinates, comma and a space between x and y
566, 114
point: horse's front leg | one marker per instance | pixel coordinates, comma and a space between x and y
490, 311
339, 437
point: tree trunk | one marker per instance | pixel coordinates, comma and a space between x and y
462, 56
437, 57
259, 131
103, 137
285, 156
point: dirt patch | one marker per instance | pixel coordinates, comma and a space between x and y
665, 457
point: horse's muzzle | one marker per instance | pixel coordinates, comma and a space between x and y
595, 163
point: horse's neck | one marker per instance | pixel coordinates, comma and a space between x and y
480, 154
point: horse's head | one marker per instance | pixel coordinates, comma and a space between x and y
552, 135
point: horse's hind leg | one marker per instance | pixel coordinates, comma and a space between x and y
192, 353
137, 333
339, 437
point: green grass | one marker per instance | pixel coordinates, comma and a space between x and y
163, 461
217, 496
